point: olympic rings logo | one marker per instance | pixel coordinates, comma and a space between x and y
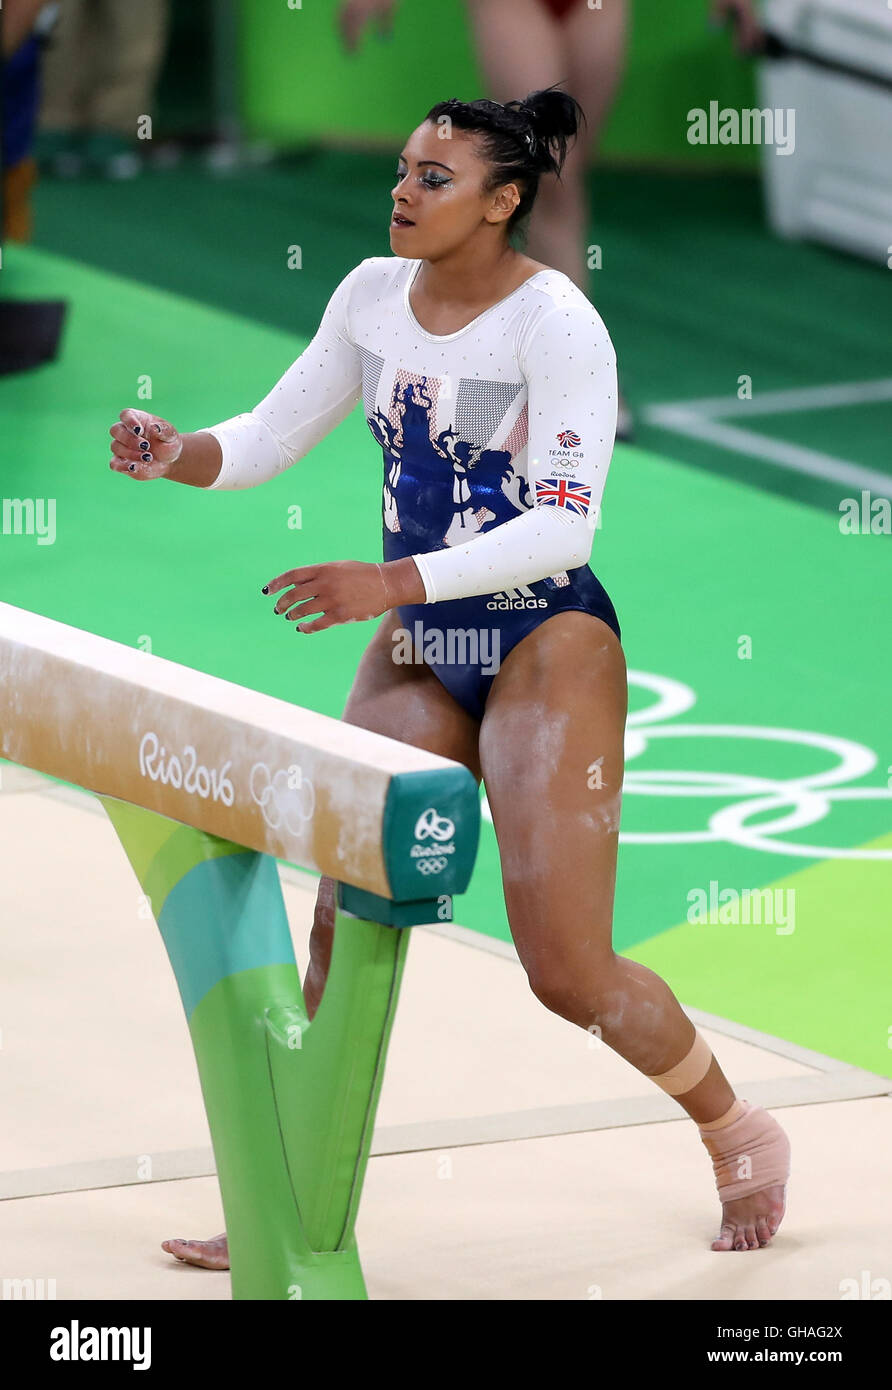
789, 804
286, 799
432, 866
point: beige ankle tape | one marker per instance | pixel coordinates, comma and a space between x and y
689, 1071
728, 1118
748, 1154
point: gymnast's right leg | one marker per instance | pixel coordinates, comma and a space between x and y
405, 702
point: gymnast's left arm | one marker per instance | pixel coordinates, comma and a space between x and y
569, 364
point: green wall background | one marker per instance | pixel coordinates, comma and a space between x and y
299, 86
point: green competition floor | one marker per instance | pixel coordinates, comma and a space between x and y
759, 740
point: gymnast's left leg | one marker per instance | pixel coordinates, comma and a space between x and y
551, 752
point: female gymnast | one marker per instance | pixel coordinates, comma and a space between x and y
489, 381
525, 44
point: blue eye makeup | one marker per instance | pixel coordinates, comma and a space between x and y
429, 179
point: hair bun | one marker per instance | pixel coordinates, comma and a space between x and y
552, 118
552, 112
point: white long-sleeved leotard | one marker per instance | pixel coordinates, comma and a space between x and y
496, 438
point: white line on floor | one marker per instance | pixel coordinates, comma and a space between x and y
776, 451
781, 402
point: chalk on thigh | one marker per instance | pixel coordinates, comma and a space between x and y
551, 748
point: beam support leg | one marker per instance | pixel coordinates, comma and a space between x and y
290, 1104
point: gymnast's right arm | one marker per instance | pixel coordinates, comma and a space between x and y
315, 394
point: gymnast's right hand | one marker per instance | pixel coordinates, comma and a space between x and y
144, 445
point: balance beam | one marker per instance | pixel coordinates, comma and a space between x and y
205, 782
366, 810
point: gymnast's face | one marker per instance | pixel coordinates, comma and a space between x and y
440, 191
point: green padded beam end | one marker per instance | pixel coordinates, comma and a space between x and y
430, 833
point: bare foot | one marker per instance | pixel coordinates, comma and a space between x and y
753, 1139
750, 1222
208, 1254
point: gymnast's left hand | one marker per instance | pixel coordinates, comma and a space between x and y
346, 591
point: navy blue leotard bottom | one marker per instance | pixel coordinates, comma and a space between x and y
464, 640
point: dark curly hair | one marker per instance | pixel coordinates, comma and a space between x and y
520, 140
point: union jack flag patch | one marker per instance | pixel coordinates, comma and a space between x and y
563, 492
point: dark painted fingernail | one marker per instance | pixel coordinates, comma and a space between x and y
137, 429
132, 467
146, 458
265, 589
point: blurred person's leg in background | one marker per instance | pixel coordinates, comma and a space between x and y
68, 76
23, 24
523, 45
133, 40
18, 183
100, 79
29, 329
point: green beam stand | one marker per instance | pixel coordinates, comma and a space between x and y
291, 1104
